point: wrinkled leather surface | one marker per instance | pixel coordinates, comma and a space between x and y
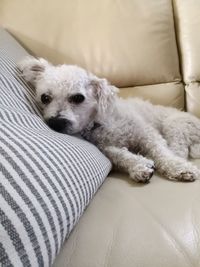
130, 225
128, 42
167, 94
187, 18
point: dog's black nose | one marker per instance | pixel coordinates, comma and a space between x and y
59, 124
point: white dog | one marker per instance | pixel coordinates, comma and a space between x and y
134, 134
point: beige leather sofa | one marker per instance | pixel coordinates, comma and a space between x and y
148, 48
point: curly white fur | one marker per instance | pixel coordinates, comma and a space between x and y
136, 135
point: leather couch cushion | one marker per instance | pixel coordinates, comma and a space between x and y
187, 18
129, 42
193, 98
129, 225
167, 94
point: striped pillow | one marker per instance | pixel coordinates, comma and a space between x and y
46, 178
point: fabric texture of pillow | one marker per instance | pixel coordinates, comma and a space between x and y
46, 179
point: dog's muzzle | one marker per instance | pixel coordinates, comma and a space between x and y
59, 124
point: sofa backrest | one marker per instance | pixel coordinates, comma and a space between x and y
187, 19
132, 43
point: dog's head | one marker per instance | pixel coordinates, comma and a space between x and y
69, 96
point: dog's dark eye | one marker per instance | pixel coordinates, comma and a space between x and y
76, 99
46, 99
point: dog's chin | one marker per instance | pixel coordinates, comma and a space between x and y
71, 131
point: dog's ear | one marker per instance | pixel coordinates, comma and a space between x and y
104, 93
32, 68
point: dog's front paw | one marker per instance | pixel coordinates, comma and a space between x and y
142, 173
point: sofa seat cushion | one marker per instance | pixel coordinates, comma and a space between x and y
46, 179
128, 225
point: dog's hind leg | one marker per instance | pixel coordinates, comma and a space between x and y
176, 140
182, 131
194, 151
166, 162
139, 168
